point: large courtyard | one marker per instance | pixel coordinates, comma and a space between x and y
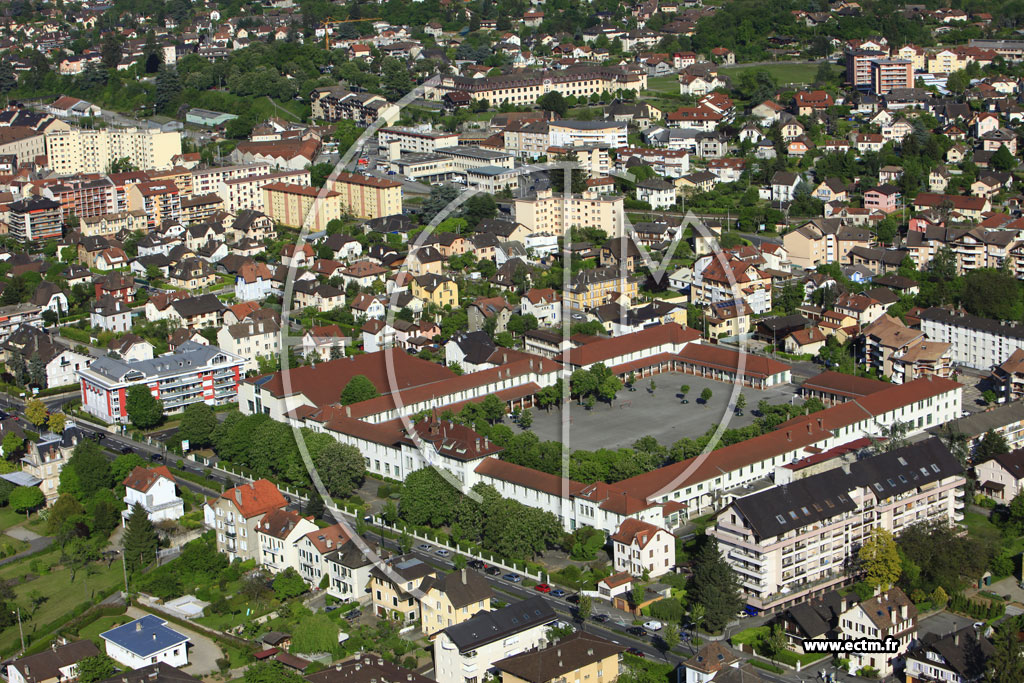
660, 414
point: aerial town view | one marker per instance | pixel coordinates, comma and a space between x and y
495, 341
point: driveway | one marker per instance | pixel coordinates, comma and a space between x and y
203, 653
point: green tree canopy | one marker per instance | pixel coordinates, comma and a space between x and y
144, 410
359, 388
140, 540
197, 424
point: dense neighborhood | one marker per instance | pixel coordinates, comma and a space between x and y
659, 342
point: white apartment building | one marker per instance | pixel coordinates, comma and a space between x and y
791, 541
77, 151
246, 192
411, 140
208, 180
251, 340
608, 134
639, 547
278, 534
555, 214
467, 652
977, 342
236, 515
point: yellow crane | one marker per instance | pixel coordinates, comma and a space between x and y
331, 22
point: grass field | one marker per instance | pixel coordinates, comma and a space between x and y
784, 72
57, 594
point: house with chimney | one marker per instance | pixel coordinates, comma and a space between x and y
236, 516
54, 664
154, 490
278, 536
453, 598
641, 548
147, 640
888, 614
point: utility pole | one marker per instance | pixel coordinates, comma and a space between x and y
124, 567
21, 632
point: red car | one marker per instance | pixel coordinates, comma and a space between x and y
542, 588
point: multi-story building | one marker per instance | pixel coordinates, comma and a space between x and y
858, 67
392, 591
336, 103
34, 219
823, 240
83, 197
597, 286
642, 549
469, 651
246, 192
109, 224
236, 516
793, 540
76, 151
466, 157
278, 534
298, 205
524, 88
192, 373
313, 549
409, 140
368, 197
161, 200
14, 315
200, 207
566, 133
45, 458
556, 214
977, 342
349, 570
887, 616
890, 74
155, 490
578, 657
251, 340
957, 657
453, 598
208, 180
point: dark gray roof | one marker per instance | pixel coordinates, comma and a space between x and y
197, 305
963, 651
962, 319
189, 354
977, 424
160, 672
47, 664
779, 509
477, 346
487, 627
462, 587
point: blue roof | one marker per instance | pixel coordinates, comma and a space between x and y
144, 637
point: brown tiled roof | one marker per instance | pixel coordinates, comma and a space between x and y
606, 348
369, 181
634, 530
527, 477
142, 478
569, 654
255, 498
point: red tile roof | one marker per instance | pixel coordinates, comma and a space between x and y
529, 478
141, 478
721, 358
634, 530
605, 349
255, 498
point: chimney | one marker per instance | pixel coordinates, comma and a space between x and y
478, 443
789, 435
238, 495
808, 427
330, 543
138, 627
252, 485
956, 639
463, 575
904, 612
821, 423
348, 411
842, 604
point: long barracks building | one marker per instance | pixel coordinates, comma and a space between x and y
665, 497
526, 87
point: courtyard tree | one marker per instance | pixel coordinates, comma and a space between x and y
197, 424
705, 395
741, 403
35, 412
341, 467
584, 607
683, 391
715, 587
880, 559
144, 410
358, 389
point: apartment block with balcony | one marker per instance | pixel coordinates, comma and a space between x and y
890, 74
791, 541
556, 214
236, 516
34, 219
278, 534
192, 373
976, 342
76, 151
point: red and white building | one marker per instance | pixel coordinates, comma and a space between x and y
639, 547
192, 373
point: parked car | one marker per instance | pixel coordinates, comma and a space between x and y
493, 571
637, 631
353, 614
512, 577
477, 564
542, 588
157, 457
558, 593
653, 625
443, 552
425, 547
601, 618
635, 652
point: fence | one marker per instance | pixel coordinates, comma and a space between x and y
500, 562
289, 492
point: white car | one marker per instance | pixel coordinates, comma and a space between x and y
653, 625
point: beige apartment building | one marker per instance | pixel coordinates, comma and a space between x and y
791, 541
76, 151
555, 214
251, 340
246, 192
525, 88
367, 197
113, 223
452, 599
823, 240
236, 516
392, 592
289, 204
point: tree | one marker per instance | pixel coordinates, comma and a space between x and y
670, 636
715, 587
584, 607
427, 499
288, 584
697, 613
78, 553
705, 395
341, 468
958, 81
56, 422
992, 444
86, 472
741, 403
990, 293
637, 593
1006, 665
554, 102
526, 419
776, 641
16, 365
37, 371
168, 87
315, 633
26, 499
358, 389
684, 390
35, 412
8, 80
144, 410
492, 408
880, 560
197, 424
1003, 159
271, 671
96, 668
124, 464
64, 510
653, 386
140, 540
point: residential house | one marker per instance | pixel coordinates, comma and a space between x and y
236, 516
453, 598
154, 490
642, 549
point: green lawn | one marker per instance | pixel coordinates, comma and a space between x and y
785, 73
664, 84
92, 631
8, 517
58, 594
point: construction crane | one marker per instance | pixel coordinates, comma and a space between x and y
331, 22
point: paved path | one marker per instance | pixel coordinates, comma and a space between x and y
203, 653
35, 543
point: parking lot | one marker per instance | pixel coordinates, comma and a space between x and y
660, 414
